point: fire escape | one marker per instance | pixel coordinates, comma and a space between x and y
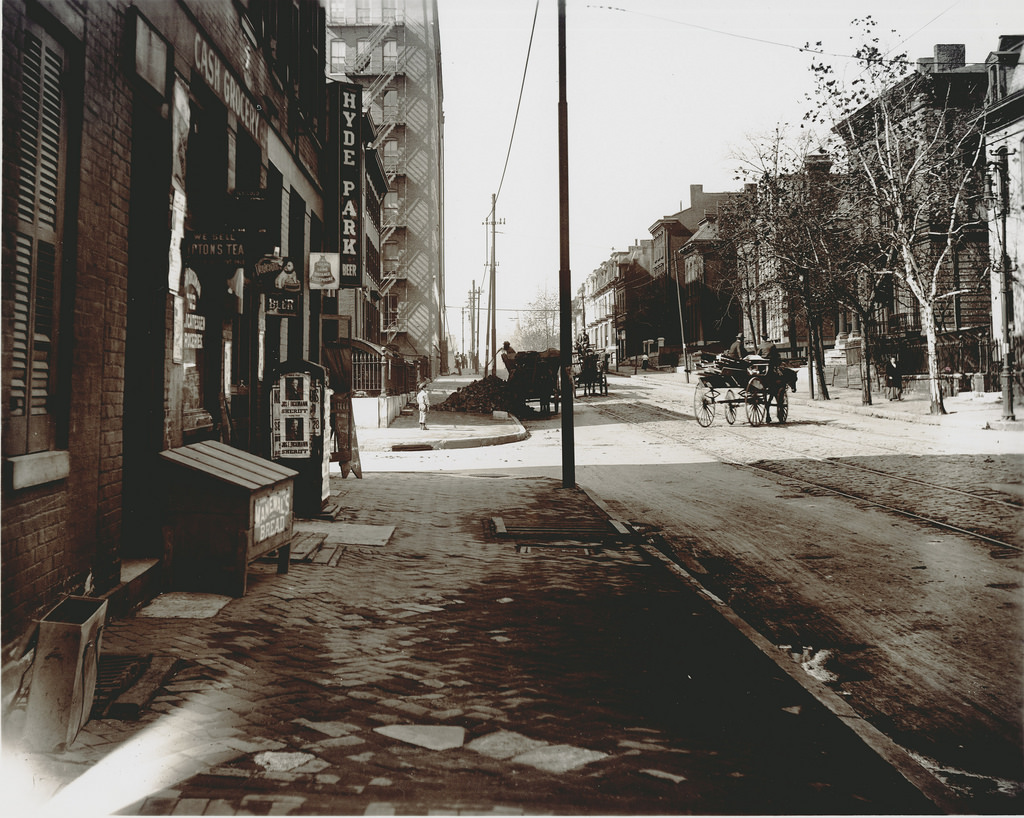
379, 66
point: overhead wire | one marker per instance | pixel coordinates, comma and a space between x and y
512, 136
807, 49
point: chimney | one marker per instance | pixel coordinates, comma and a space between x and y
819, 162
950, 56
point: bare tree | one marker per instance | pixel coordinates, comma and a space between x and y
537, 325
797, 238
909, 148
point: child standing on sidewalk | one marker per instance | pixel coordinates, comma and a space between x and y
423, 402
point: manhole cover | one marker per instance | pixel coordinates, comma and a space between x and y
114, 675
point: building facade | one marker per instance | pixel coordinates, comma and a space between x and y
1004, 137
391, 48
155, 155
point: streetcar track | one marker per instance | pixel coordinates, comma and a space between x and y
669, 414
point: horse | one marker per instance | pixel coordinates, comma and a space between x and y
776, 381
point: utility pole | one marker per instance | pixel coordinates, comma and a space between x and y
679, 303
564, 274
476, 349
1007, 292
473, 326
492, 300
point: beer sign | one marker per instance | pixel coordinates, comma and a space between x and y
324, 271
350, 180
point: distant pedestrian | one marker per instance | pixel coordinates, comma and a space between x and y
645, 362
423, 402
893, 379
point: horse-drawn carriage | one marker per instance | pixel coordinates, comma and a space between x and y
588, 371
749, 383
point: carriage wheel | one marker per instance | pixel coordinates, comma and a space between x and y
729, 408
782, 405
757, 407
704, 404
604, 384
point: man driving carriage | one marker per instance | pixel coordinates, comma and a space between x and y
777, 379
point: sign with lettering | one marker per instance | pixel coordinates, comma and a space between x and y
272, 513
222, 82
194, 322
350, 178
225, 248
279, 279
285, 306
324, 271
294, 403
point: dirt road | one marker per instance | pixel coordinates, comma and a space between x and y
917, 626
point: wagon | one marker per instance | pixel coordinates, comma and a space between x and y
588, 371
533, 376
746, 383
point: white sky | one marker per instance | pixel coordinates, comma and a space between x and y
656, 102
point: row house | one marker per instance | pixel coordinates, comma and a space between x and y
711, 316
174, 183
667, 309
1004, 136
942, 88
614, 304
599, 304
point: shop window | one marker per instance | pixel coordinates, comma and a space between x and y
32, 282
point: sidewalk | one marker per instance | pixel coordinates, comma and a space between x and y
445, 430
430, 664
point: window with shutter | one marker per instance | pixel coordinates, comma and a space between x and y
34, 280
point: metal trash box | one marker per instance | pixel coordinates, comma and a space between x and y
64, 673
224, 509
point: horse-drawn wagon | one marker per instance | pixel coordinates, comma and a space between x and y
748, 383
533, 376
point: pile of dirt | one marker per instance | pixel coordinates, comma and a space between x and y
482, 396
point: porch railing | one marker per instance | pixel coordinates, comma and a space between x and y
371, 370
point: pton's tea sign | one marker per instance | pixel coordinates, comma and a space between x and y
223, 248
350, 180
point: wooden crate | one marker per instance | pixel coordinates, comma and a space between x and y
224, 509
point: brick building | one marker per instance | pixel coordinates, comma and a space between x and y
155, 153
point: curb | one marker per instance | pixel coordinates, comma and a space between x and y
898, 758
428, 443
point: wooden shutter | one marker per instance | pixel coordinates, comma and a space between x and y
34, 279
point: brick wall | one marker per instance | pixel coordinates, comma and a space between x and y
63, 537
